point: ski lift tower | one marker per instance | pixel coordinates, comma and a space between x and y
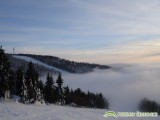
13, 50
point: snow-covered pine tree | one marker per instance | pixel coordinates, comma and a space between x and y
4, 75
39, 97
38, 94
40, 91
24, 95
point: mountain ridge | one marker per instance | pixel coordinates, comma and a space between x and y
67, 65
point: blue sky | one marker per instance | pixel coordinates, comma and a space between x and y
101, 31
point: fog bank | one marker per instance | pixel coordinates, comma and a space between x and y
123, 85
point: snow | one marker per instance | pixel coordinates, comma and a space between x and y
26, 58
18, 111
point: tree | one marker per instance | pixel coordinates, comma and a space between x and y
49, 90
67, 95
12, 82
101, 102
40, 85
19, 81
146, 105
78, 100
31, 77
59, 82
24, 94
4, 75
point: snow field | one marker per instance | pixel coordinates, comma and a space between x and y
18, 111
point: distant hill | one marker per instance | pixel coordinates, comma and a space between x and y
20, 63
67, 65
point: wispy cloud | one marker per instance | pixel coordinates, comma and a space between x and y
98, 31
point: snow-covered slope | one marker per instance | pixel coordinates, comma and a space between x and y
38, 62
18, 111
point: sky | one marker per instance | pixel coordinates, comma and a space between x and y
99, 31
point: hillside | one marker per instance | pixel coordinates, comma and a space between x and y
18, 111
66, 65
22, 63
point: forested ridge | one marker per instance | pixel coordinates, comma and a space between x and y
67, 65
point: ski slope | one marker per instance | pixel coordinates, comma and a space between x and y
26, 58
18, 111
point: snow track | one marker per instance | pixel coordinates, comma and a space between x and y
26, 58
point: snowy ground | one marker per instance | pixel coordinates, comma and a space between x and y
18, 111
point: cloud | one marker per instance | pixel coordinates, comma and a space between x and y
131, 52
94, 31
123, 85
114, 17
102, 17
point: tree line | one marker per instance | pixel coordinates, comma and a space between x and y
30, 89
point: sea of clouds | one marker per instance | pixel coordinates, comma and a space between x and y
123, 85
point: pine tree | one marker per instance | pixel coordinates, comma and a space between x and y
40, 85
12, 82
39, 95
24, 95
4, 74
59, 85
101, 102
31, 82
146, 105
49, 94
78, 99
19, 81
67, 95
90, 102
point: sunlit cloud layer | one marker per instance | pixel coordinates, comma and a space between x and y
112, 31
